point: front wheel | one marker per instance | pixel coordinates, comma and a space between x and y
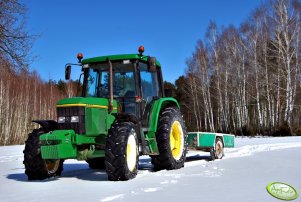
122, 152
171, 140
37, 168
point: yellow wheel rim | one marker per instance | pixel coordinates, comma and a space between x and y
131, 153
176, 140
52, 165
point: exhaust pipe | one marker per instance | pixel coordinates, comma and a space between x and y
111, 85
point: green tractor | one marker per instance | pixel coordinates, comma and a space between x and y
122, 113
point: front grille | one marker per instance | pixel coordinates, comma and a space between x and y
67, 112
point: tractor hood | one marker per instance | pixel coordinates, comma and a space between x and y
85, 102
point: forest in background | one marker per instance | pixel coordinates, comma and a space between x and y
246, 80
242, 80
24, 96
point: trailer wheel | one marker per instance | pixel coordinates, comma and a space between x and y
218, 151
97, 163
171, 140
122, 152
37, 168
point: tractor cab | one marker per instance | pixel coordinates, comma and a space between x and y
134, 81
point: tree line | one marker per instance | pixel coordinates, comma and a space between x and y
246, 80
243, 80
24, 96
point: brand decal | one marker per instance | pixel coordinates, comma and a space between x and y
282, 191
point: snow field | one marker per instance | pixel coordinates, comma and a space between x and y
240, 176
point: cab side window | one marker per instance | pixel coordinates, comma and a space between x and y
149, 83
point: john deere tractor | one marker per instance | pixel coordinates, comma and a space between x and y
122, 113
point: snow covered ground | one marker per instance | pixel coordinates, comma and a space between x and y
242, 175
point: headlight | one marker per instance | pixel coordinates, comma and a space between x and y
61, 119
74, 119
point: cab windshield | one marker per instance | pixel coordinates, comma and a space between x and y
97, 80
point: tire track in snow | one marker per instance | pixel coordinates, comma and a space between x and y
249, 150
111, 198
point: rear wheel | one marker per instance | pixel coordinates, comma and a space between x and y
122, 152
218, 151
37, 168
171, 140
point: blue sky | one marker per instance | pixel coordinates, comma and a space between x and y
168, 29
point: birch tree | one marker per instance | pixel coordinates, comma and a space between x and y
249, 77
286, 19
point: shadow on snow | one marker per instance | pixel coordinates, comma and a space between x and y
82, 171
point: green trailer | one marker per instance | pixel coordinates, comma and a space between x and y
210, 142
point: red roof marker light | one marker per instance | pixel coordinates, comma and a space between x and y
141, 49
80, 57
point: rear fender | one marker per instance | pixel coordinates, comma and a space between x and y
153, 119
155, 111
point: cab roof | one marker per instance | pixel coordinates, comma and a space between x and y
117, 57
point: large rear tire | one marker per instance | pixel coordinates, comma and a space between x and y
122, 152
171, 140
37, 168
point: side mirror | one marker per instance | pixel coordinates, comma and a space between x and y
67, 72
151, 64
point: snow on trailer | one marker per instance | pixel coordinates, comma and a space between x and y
210, 142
